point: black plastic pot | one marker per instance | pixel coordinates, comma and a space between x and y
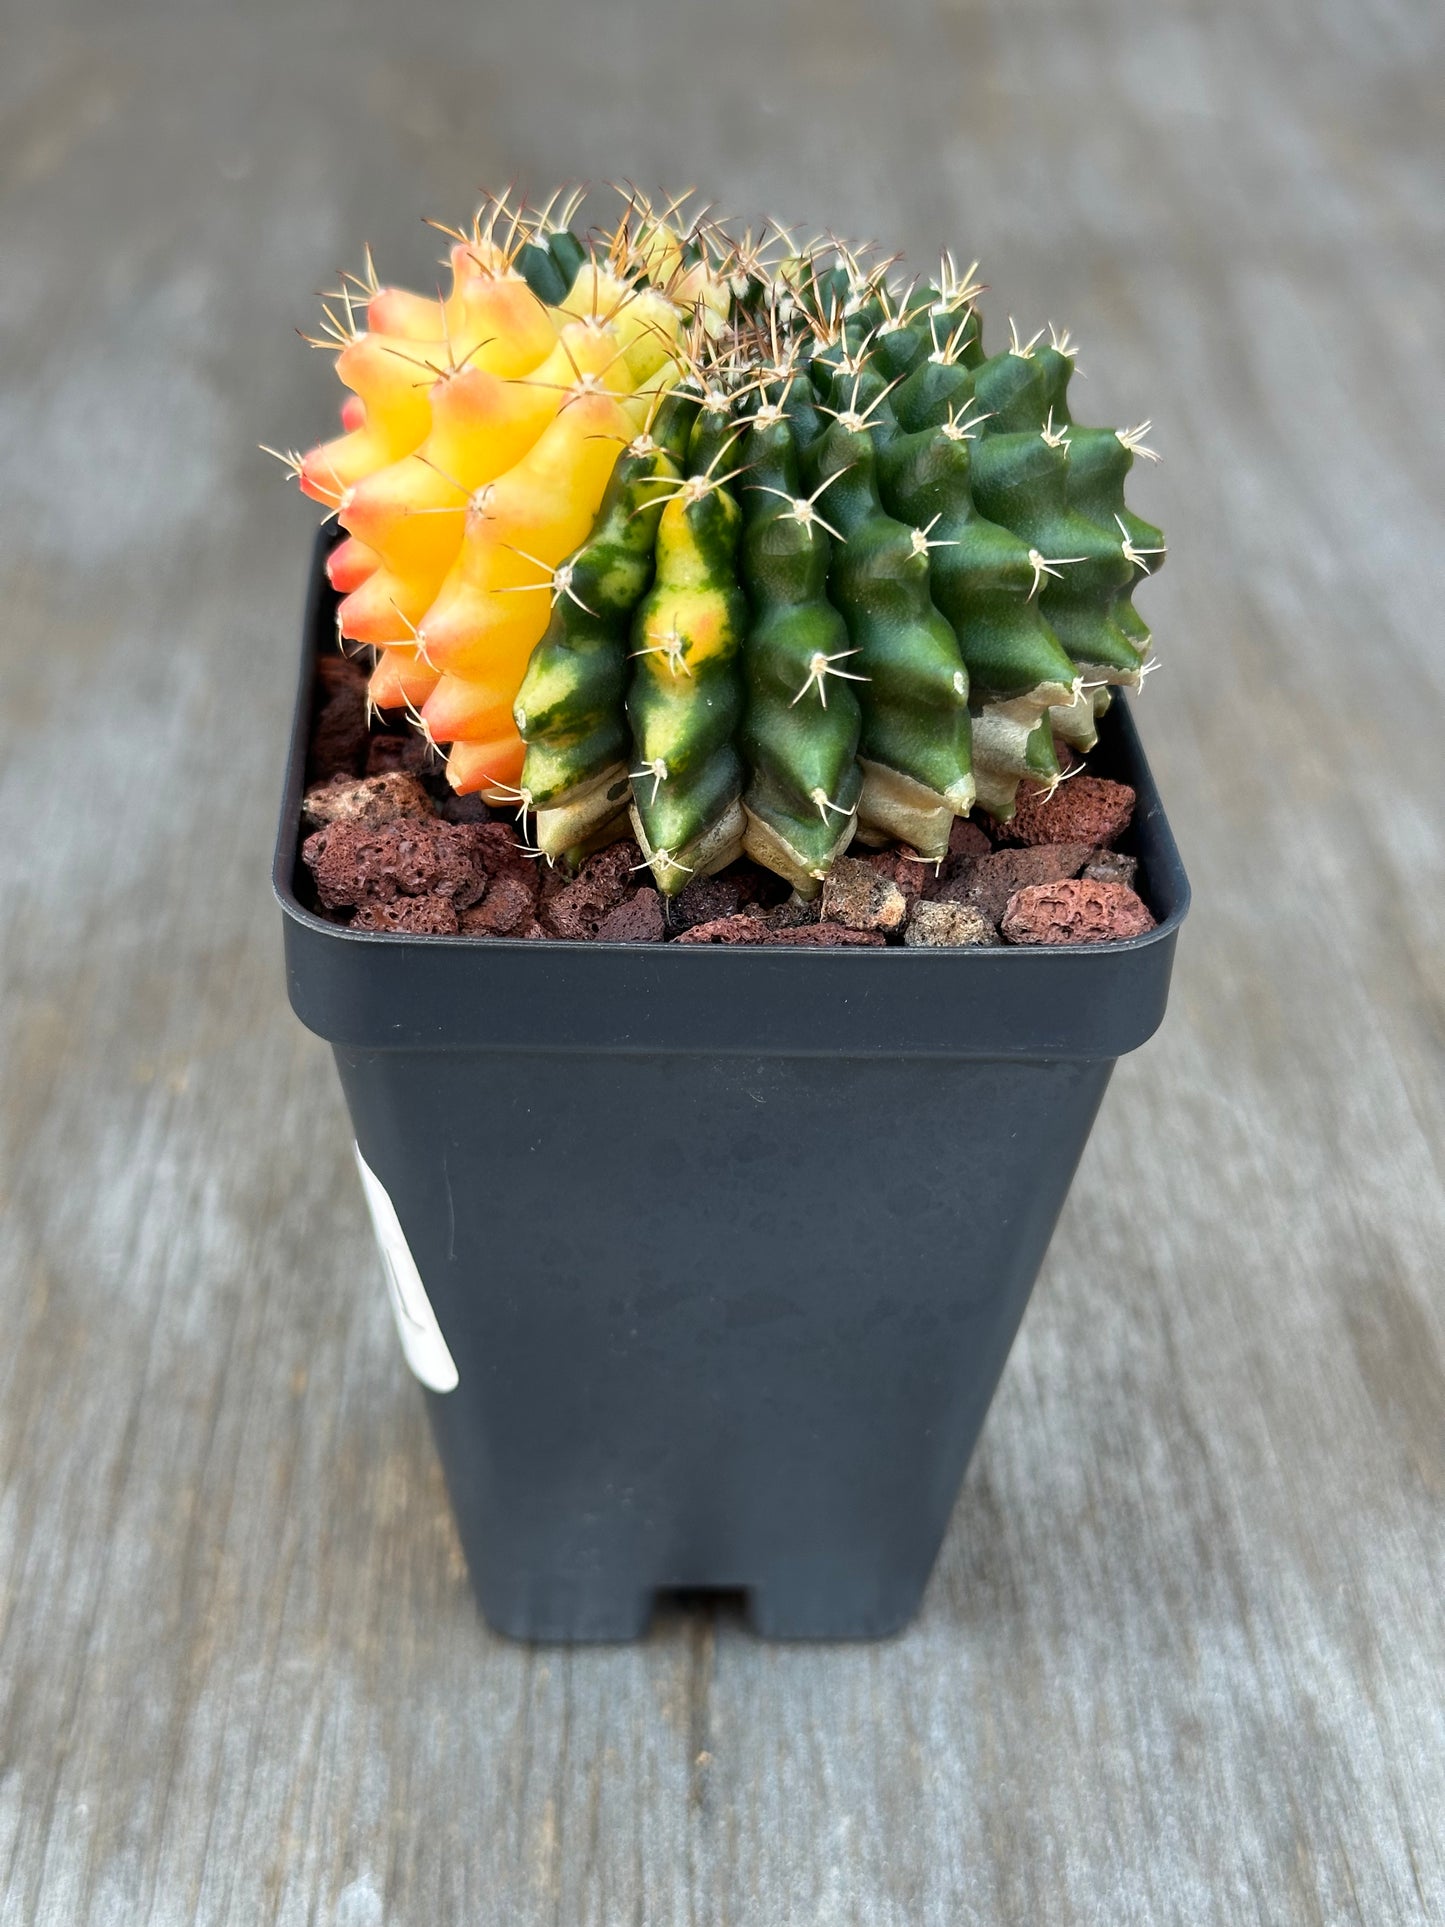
725, 1248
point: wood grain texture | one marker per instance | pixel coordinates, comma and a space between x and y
1183, 1657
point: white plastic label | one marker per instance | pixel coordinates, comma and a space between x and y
416, 1322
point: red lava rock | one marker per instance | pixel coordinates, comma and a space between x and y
415, 916
989, 881
604, 880
1111, 866
615, 870
757, 885
504, 911
856, 895
791, 915
464, 809
356, 863
911, 873
829, 936
498, 844
385, 753
736, 929
637, 919
339, 730
706, 900
500, 852
367, 799
1086, 809
967, 838
742, 886
1080, 911
967, 841
948, 926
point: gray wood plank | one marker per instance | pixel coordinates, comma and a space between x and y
1183, 1657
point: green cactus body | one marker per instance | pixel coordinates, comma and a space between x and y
716, 432
1024, 478
1099, 462
568, 254
981, 576
931, 329
936, 390
1021, 479
825, 294
1011, 391
538, 268
686, 696
914, 749
898, 350
549, 262
800, 733
982, 580
571, 708
800, 405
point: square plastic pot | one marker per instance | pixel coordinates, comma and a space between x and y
711, 1258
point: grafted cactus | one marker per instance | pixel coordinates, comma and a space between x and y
745, 545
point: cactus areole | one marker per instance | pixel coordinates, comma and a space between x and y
710, 1257
732, 546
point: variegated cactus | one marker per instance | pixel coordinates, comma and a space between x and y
747, 548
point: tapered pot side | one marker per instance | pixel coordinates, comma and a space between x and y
725, 1247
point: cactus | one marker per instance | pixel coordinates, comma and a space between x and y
983, 580
915, 746
686, 696
571, 706
493, 608
738, 541
801, 728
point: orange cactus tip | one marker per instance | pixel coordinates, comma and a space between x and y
383, 609
493, 769
460, 710
412, 317
400, 680
353, 414
349, 564
321, 474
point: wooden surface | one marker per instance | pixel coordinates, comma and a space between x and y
1183, 1657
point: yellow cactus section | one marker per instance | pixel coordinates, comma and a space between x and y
491, 320
479, 436
495, 605
413, 514
381, 370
